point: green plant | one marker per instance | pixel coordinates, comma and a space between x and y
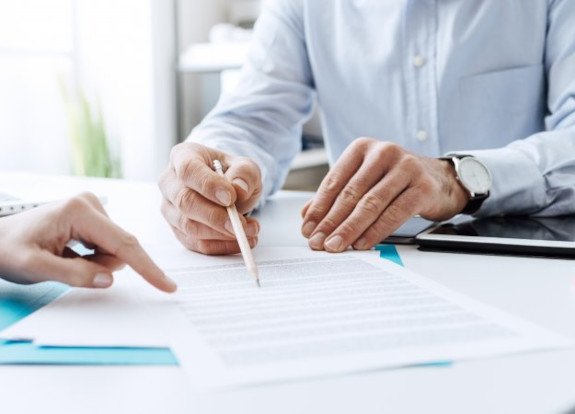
91, 155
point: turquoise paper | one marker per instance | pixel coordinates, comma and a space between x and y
389, 252
17, 302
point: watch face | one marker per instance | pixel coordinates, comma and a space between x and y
474, 175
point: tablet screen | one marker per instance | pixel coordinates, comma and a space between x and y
531, 228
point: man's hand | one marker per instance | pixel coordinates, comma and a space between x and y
33, 247
372, 190
196, 197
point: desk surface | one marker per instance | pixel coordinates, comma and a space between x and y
539, 290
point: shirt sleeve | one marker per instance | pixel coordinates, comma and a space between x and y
262, 118
536, 175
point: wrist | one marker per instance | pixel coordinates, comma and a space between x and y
458, 194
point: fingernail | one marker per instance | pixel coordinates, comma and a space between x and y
102, 281
224, 197
335, 243
308, 228
172, 286
228, 226
316, 242
361, 244
241, 183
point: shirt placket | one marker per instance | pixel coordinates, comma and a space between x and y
420, 31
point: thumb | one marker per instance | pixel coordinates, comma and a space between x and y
245, 176
77, 272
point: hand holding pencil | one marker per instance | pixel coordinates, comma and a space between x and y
195, 198
239, 232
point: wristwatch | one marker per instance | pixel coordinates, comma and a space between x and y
475, 177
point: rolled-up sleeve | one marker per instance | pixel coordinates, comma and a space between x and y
536, 175
263, 117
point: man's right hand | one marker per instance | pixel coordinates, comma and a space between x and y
196, 197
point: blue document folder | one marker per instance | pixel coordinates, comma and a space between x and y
17, 302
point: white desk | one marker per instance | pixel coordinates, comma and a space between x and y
539, 290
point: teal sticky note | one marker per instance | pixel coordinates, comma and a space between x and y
389, 252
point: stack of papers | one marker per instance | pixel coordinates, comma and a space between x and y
321, 314
316, 315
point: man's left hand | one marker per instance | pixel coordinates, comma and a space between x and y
372, 190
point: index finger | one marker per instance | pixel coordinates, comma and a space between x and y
194, 169
102, 232
330, 187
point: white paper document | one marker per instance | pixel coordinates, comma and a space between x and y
320, 314
130, 314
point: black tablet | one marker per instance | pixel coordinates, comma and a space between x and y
407, 232
532, 236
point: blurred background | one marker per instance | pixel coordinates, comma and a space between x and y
107, 87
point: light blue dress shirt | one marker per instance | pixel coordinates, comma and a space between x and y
492, 78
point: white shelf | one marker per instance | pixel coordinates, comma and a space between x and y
310, 158
213, 57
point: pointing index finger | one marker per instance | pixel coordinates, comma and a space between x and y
99, 230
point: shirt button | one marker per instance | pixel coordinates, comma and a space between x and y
418, 61
422, 135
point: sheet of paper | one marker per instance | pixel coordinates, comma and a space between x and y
130, 314
127, 315
319, 314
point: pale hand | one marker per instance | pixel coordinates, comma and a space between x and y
372, 190
33, 247
195, 198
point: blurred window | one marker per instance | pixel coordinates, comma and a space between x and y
36, 55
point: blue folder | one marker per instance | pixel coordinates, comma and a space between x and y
17, 302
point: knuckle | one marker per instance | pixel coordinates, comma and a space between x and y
245, 166
176, 149
186, 170
394, 214
75, 204
207, 183
215, 217
185, 198
350, 195
389, 150
89, 197
410, 163
331, 183
316, 214
371, 204
362, 142
128, 242
328, 223
190, 227
244, 162
346, 229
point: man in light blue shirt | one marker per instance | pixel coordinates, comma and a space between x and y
491, 83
